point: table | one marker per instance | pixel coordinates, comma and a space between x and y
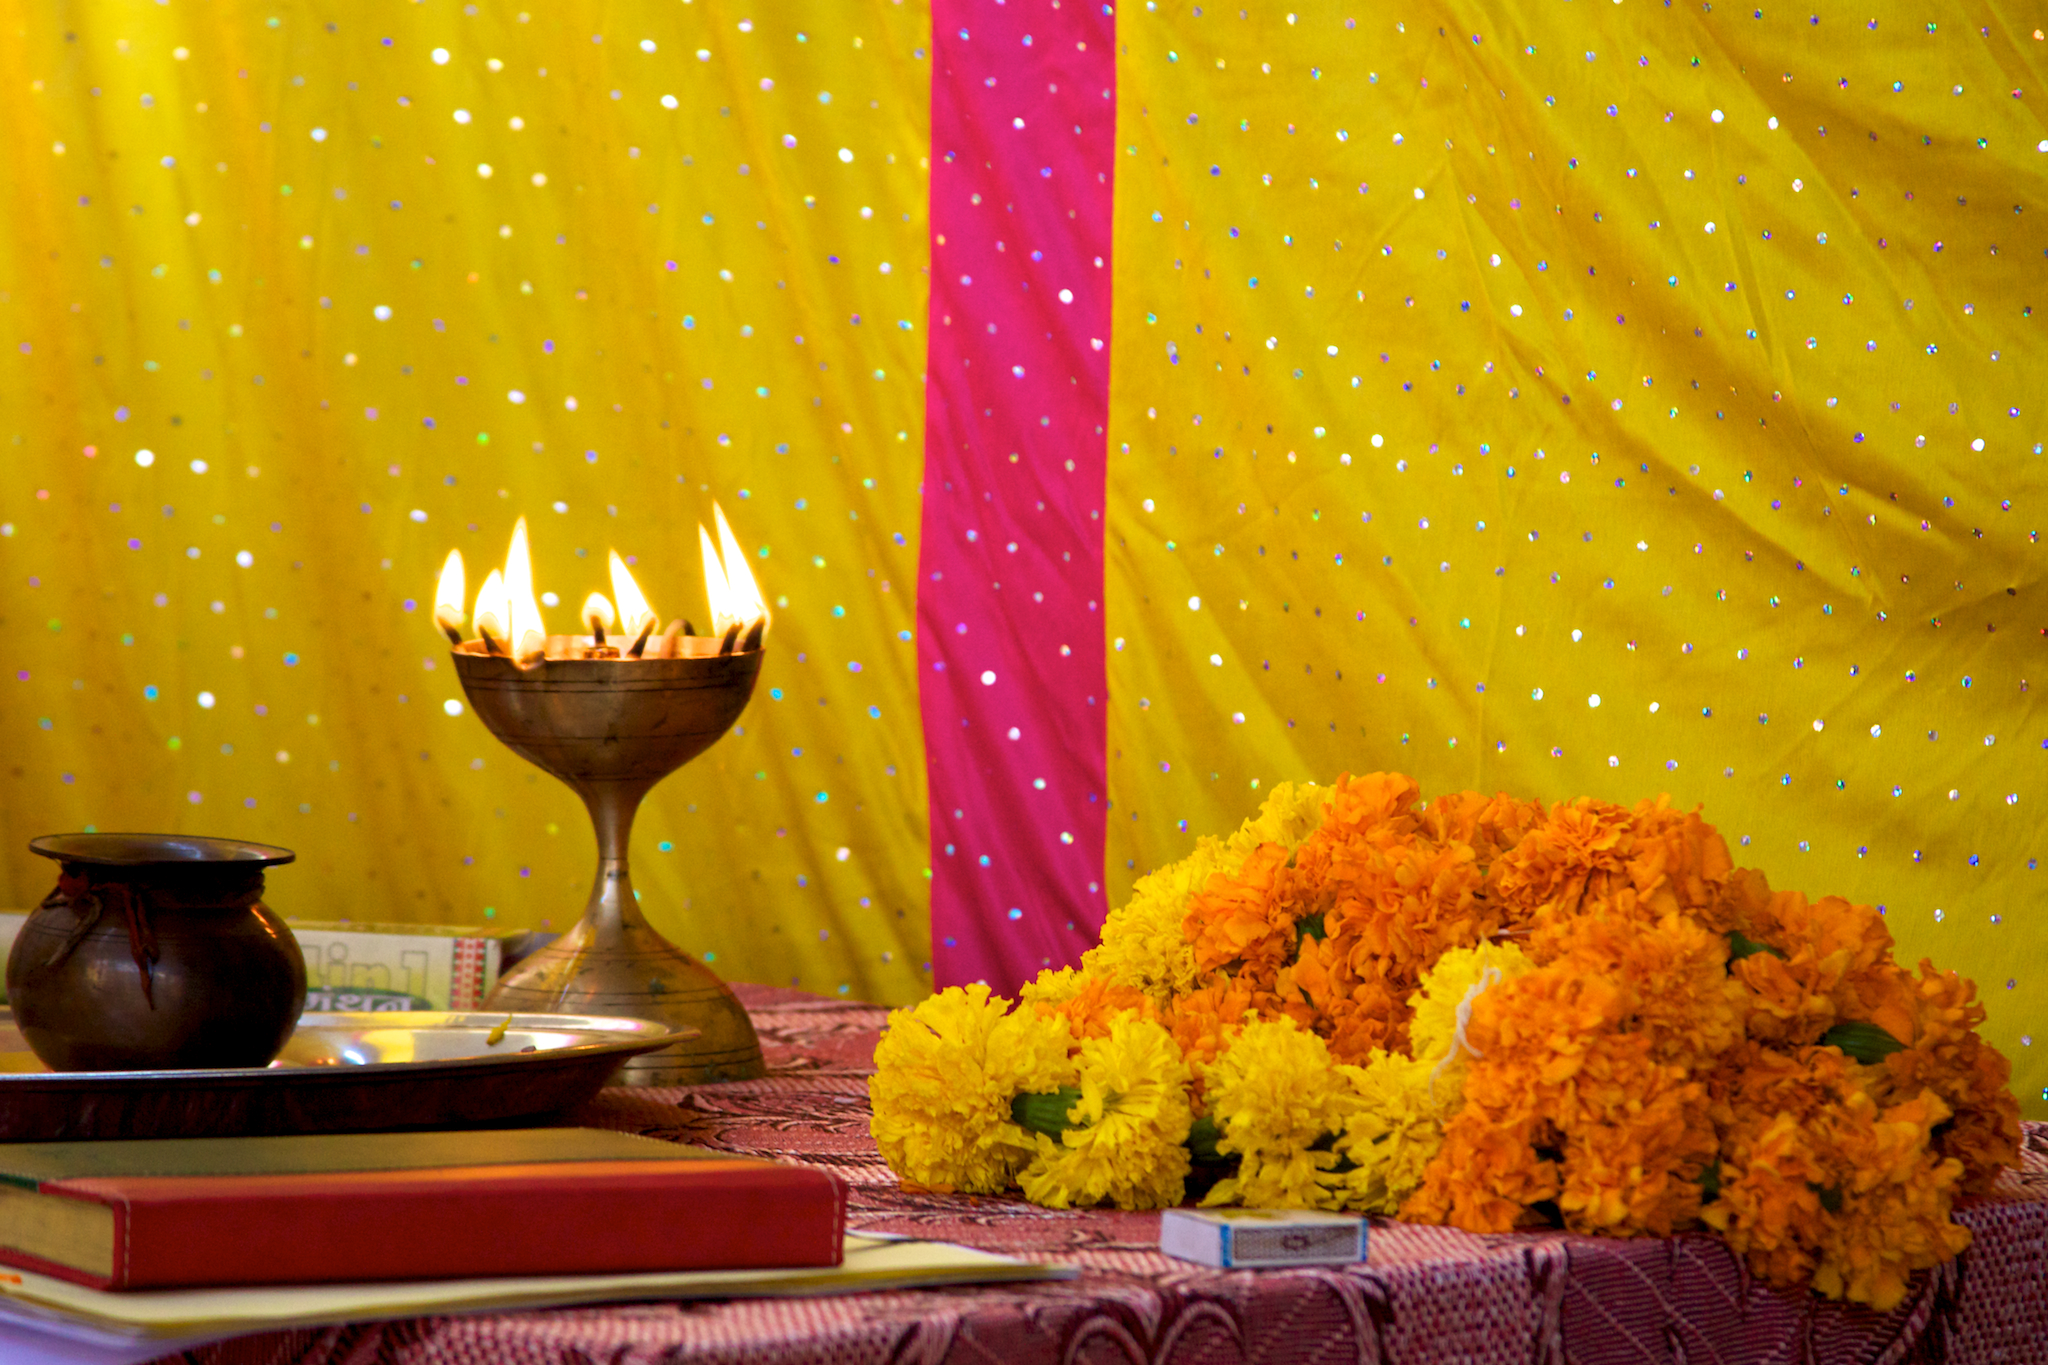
1427, 1295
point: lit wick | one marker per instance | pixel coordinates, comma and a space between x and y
526, 633
737, 610
597, 614
670, 645
635, 616
493, 611
640, 641
448, 598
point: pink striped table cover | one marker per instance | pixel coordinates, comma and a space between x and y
1427, 1295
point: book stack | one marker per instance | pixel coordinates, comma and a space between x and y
352, 965
151, 1245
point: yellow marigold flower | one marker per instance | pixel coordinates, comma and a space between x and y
1289, 815
1129, 1145
945, 1073
1397, 1129
1457, 980
1051, 988
1275, 1094
1142, 945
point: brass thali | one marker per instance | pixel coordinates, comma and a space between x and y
340, 1073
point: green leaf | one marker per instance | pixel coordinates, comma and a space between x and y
1710, 1183
1045, 1114
1202, 1140
1830, 1197
1741, 945
1862, 1040
1311, 926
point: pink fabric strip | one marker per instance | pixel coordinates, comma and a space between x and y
1010, 647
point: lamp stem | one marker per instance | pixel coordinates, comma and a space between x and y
612, 907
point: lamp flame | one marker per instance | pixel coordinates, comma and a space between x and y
745, 594
728, 582
633, 608
528, 634
448, 594
493, 613
715, 586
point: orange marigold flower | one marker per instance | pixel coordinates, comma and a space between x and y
1895, 1200
1635, 1167
1820, 1181
1537, 1030
1368, 1018
1236, 922
1490, 824
1886, 995
1675, 971
1742, 896
1972, 1078
1768, 1209
1403, 907
1548, 871
1377, 803
1099, 1004
1808, 977
1487, 1175
1678, 861
1787, 1005
1205, 1019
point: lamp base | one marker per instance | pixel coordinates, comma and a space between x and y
639, 974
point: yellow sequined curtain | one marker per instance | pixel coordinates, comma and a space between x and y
1597, 399
293, 299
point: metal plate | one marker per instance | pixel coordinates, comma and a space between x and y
159, 851
340, 1073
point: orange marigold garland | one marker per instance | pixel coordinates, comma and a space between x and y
1484, 1012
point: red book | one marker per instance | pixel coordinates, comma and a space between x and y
187, 1212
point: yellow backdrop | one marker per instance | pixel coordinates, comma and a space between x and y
1607, 399
1469, 365
370, 281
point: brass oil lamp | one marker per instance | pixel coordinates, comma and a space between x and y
611, 715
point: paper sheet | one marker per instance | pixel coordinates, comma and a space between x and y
45, 1320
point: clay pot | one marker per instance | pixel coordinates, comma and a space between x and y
156, 952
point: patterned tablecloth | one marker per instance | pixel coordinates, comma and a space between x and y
1428, 1294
